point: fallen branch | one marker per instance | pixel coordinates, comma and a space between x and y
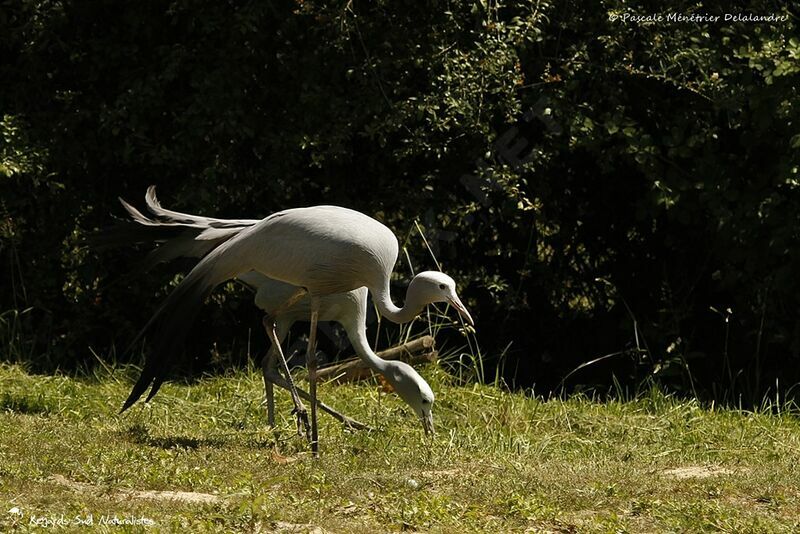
356, 370
415, 352
424, 343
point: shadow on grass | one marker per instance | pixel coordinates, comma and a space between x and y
140, 435
25, 404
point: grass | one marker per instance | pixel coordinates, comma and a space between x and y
500, 462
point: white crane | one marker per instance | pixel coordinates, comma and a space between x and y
348, 309
321, 250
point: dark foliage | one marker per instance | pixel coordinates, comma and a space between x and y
595, 184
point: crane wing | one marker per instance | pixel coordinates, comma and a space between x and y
192, 237
178, 217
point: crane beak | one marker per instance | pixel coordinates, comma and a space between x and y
462, 310
427, 424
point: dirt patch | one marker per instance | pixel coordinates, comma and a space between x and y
184, 496
442, 473
122, 495
696, 471
284, 527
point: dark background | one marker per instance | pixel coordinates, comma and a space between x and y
595, 186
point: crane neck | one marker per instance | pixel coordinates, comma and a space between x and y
383, 300
358, 338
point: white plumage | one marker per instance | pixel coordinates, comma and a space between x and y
328, 251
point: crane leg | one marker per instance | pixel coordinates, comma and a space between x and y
311, 363
269, 369
275, 378
299, 409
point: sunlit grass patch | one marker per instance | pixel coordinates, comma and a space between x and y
499, 462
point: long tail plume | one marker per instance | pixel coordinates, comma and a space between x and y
172, 321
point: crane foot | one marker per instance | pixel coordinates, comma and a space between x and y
303, 426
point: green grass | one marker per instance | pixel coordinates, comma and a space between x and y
500, 462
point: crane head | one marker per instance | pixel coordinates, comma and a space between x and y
435, 286
414, 390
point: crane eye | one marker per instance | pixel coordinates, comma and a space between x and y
442, 286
